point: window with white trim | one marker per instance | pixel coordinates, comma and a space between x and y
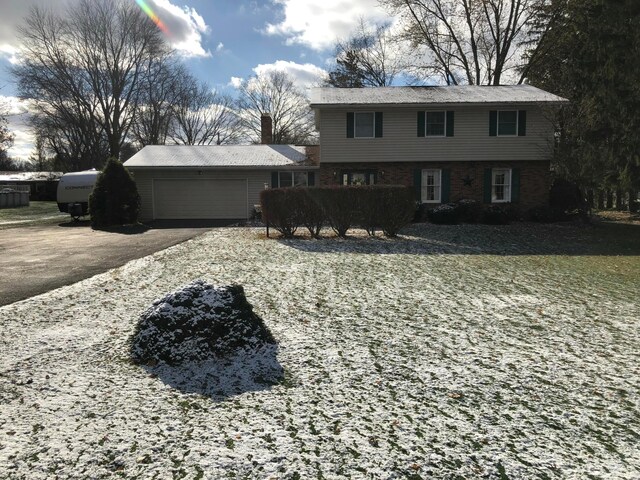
358, 178
431, 186
436, 124
364, 123
507, 122
500, 185
293, 179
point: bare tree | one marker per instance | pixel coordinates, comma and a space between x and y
6, 137
467, 41
90, 61
275, 93
202, 116
163, 88
39, 160
370, 57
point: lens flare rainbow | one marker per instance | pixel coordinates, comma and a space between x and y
154, 18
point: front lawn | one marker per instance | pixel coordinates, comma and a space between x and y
35, 213
452, 352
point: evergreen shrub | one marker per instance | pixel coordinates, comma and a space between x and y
114, 199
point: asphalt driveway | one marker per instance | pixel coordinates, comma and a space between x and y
36, 259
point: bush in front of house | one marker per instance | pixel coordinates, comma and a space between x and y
566, 196
311, 215
340, 205
469, 211
388, 208
280, 209
369, 207
546, 214
496, 215
394, 208
114, 199
445, 214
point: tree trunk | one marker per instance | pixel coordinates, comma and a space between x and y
634, 205
619, 200
590, 198
600, 200
609, 204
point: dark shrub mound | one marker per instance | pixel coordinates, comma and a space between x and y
470, 211
496, 215
196, 323
544, 214
565, 196
446, 214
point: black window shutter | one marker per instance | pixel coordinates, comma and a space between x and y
445, 185
493, 123
378, 124
274, 180
450, 123
487, 185
421, 124
515, 185
417, 184
350, 124
522, 123
311, 179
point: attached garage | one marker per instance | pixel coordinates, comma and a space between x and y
213, 182
200, 199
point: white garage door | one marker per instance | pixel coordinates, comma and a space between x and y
198, 199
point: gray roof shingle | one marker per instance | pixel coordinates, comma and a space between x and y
450, 95
219, 156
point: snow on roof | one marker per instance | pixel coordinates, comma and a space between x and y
29, 176
219, 156
458, 94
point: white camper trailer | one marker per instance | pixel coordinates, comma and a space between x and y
74, 190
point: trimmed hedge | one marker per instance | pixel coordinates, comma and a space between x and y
388, 208
280, 209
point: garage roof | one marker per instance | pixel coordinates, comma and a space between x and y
219, 156
435, 95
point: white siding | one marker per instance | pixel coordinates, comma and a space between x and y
400, 142
254, 180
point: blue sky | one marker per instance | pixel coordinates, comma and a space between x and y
220, 41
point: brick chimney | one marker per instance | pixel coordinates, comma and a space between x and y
266, 129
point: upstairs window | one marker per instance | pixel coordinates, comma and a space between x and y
364, 124
507, 122
435, 124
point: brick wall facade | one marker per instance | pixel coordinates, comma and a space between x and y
534, 177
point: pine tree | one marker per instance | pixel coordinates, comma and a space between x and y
114, 199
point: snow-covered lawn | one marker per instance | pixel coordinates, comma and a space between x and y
451, 352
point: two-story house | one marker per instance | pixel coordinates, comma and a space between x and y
492, 144
486, 143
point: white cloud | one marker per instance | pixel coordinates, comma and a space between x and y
10, 52
304, 75
18, 115
185, 25
235, 82
220, 47
318, 23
